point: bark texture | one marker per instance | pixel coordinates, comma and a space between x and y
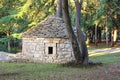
8, 43
106, 30
80, 36
72, 37
59, 9
95, 39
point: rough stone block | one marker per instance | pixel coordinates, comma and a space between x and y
69, 50
68, 46
67, 41
36, 55
62, 45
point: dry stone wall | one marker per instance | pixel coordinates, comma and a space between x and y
36, 49
48, 42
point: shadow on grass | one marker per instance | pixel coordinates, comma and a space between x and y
78, 65
9, 74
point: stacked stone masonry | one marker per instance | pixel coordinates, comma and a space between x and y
36, 49
48, 42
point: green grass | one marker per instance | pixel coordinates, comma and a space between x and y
106, 57
47, 71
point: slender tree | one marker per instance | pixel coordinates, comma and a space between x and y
59, 9
72, 37
106, 30
95, 38
80, 35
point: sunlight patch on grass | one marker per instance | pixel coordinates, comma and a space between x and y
115, 51
98, 54
101, 52
105, 57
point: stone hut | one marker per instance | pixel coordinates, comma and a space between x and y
48, 42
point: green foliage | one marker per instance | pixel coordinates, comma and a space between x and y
111, 9
5, 39
6, 19
17, 36
20, 15
3, 42
15, 39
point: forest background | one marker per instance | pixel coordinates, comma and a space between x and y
100, 20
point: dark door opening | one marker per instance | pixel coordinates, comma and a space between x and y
50, 50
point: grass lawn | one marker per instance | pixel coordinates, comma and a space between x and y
102, 45
109, 70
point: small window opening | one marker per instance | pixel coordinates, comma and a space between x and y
50, 50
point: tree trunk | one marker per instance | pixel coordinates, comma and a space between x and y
72, 37
107, 40
114, 37
99, 34
80, 35
8, 43
95, 40
59, 9
107, 43
112, 43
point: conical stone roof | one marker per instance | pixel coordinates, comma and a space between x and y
51, 27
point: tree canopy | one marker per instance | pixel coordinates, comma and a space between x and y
17, 16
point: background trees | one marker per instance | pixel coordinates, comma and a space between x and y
19, 15
100, 19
